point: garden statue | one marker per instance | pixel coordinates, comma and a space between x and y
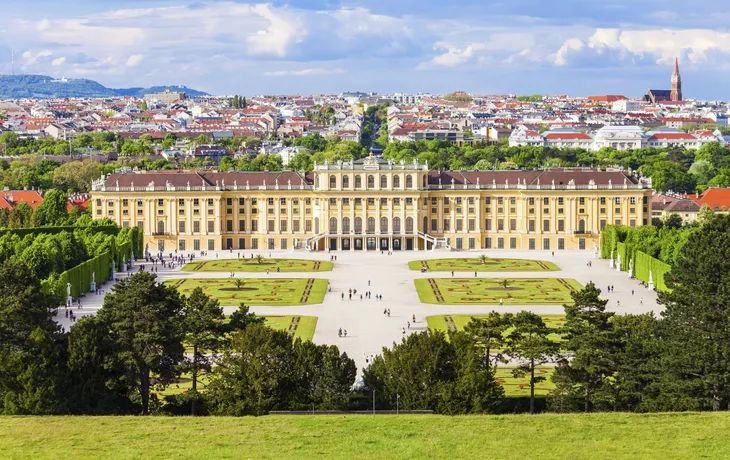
618, 263
631, 269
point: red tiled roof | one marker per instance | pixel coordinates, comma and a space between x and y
11, 198
673, 136
715, 198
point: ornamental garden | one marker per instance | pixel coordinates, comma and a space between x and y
491, 291
257, 291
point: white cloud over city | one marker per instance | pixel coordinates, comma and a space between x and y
226, 47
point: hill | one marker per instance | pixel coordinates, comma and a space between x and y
546, 436
45, 87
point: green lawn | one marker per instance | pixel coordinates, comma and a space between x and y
251, 265
447, 323
481, 291
506, 437
514, 386
301, 326
476, 265
258, 291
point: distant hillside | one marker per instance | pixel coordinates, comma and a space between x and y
44, 87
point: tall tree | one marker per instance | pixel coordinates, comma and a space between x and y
698, 314
589, 336
203, 316
53, 209
529, 342
144, 321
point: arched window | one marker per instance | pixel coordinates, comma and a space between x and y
396, 225
358, 182
316, 225
409, 181
383, 225
345, 181
333, 225
333, 182
345, 225
358, 225
371, 181
424, 181
316, 182
396, 181
425, 225
383, 181
161, 227
582, 226
371, 224
409, 224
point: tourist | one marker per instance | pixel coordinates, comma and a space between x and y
409, 324
345, 332
632, 292
343, 296
641, 301
452, 273
414, 318
500, 302
618, 304
404, 331
385, 310
339, 333
475, 274
389, 313
360, 297
351, 296
267, 271
368, 282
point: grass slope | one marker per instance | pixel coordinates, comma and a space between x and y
547, 437
258, 291
476, 265
487, 291
251, 265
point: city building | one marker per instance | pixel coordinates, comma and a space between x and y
663, 95
372, 204
166, 97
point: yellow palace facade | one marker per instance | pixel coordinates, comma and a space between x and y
372, 205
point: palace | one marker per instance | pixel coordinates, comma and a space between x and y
372, 204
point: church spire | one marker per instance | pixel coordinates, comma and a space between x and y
676, 94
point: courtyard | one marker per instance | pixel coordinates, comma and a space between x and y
491, 291
257, 291
369, 329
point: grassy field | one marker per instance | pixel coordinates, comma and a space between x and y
507, 437
476, 265
457, 322
252, 265
487, 291
258, 291
520, 386
301, 326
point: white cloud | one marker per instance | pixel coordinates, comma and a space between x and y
659, 45
304, 72
58, 61
134, 60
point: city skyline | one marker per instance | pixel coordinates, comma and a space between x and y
329, 46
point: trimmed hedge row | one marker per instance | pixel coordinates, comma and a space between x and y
642, 262
80, 277
21, 232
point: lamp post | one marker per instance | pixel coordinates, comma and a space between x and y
397, 404
373, 402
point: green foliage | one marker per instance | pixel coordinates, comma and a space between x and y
532, 98
698, 316
264, 371
427, 371
144, 320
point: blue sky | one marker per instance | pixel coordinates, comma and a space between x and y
577, 47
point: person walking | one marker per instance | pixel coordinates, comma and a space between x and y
501, 303
414, 318
343, 296
641, 301
452, 273
368, 282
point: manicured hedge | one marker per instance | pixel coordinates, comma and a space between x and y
621, 251
21, 232
79, 277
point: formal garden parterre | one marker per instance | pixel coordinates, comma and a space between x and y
480, 291
259, 265
482, 264
257, 291
455, 323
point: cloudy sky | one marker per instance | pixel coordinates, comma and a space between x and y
577, 47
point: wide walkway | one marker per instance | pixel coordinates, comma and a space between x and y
369, 330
